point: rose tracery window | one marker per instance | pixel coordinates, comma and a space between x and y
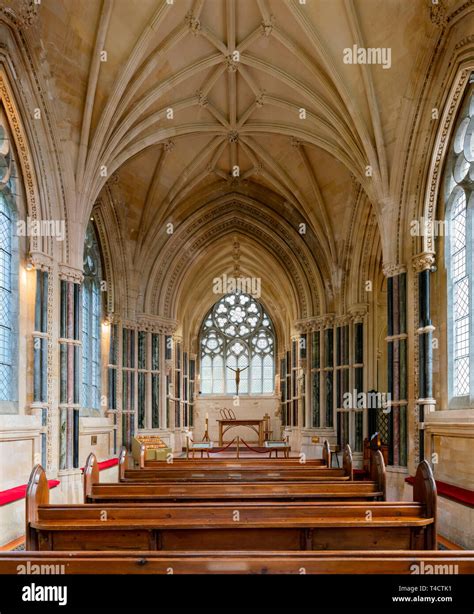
237, 334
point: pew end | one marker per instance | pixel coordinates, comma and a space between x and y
378, 473
122, 464
91, 476
327, 453
347, 462
37, 493
424, 491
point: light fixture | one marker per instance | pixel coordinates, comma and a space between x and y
29, 266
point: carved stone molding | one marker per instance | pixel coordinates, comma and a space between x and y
156, 324
438, 14
422, 262
244, 221
392, 270
23, 13
68, 273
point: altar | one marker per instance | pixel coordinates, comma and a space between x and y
249, 409
258, 426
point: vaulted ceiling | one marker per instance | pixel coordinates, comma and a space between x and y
173, 104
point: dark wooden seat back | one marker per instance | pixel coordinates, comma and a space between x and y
424, 491
327, 453
347, 462
90, 475
378, 473
37, 493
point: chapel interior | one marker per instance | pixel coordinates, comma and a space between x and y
227, 225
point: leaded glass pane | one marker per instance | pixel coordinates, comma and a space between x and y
237, 334
91, 318
459, 185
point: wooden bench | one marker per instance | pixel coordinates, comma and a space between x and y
324, 563
207, 470
95, 492
258, 463
225, 526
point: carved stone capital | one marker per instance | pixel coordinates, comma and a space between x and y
342, 320
422, 262
358, 312
40, 261
392, 270
68, 273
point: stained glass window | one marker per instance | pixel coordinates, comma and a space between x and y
237, 334
459, 190
91, 317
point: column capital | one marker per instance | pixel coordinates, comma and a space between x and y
69, 273
342, 320
358, 312
391, 269
41, 261
422, 262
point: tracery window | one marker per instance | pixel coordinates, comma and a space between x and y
237, 334
8, 269
91, 316
459, 254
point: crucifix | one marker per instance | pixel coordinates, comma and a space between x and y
237, 372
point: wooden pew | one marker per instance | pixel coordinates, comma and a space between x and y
232, 463
95, 492
225, 526
324, 563
206, 471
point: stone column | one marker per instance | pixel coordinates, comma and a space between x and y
397, 362
70, 361
422, 266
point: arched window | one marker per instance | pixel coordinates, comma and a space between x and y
237, 334
459, 255
91, 316
8, 269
